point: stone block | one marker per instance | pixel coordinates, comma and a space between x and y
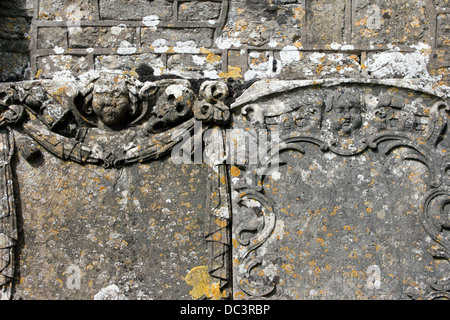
325, 22
441, 4
101, 37
135, 9
389, 22
48, 66
23, 8
199, 11
258, 23
305, 65
259, 60
14, 28
22, 46
443, 31
127, 62
163, 39
61, 10
49, 38
14, 66
194, 62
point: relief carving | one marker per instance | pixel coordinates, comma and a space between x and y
113, 120
349, 119
109, 119
11, 113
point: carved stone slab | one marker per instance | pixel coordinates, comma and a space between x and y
305, 190
87, 214
352, 203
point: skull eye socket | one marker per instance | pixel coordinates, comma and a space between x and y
171, 98
179, 108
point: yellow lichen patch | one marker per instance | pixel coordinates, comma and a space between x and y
299, 13
233, 72
202, 284
298, 45
235, 172
213, 58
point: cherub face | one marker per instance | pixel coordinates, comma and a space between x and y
110, 107
345, 117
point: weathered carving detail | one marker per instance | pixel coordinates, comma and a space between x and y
210, 107
347, 122
111, 99
261, 224
172, 106
114, 119
344, 113
108, 119
217, 233
11, 113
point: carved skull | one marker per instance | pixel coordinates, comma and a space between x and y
173, 104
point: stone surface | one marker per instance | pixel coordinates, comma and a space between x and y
68, 64
389, 22
191, 62
50, 38
110, 227
162, 40
102, 37
129, 62
325, 22
259, 22
199, 11
135, 9
61, 10
343, 209
14, 66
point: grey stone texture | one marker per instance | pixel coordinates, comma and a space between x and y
14, 41
125, 227
135, 9
102, 37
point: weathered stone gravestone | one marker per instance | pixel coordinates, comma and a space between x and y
352, 200
224, 149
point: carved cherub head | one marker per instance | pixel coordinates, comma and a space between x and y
111, 97
344, 112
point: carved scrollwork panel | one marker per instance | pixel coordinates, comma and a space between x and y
337, 177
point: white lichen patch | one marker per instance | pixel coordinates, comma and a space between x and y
151, 21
